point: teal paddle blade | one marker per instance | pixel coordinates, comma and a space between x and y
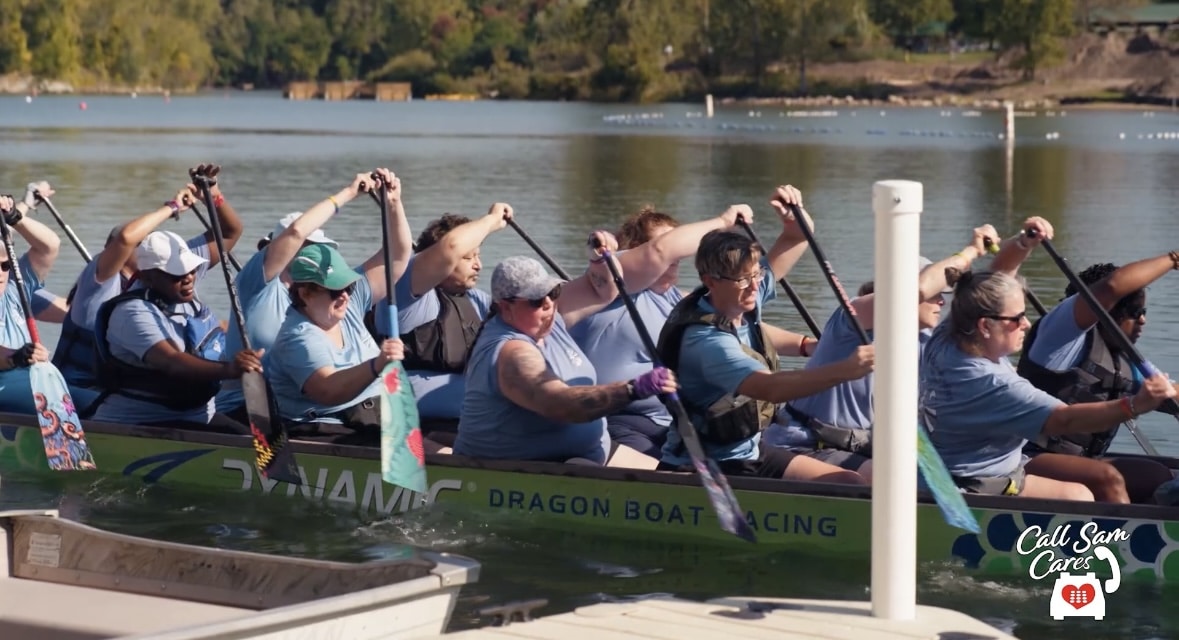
949, 499
61, 428
403, 457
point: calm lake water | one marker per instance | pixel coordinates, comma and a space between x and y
1106, 180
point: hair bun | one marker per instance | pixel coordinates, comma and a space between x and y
956, 277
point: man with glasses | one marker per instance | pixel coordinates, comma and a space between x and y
159, 346
726, 358
1069, 354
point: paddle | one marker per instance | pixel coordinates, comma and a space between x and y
1121, 342
64, 227
802, 311
540, 252
993, 248
720, 495
937, 477
197, 212
272, 453
403, 458
61, 428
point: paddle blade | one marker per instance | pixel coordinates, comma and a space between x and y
272, 452
403, 457
724, 503
61, 428
941, 485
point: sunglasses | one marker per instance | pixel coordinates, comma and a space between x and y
6, 266
336, 294
553, 295
1128, 314
1017, 318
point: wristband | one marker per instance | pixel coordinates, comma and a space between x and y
1174, 255
802, 348
1127, 407
11, 218
332, 199
174, 206
218, 200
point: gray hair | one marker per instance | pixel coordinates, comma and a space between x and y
725, 253
976, 296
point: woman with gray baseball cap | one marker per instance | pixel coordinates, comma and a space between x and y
532, 394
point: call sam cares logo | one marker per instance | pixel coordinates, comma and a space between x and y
1074, 553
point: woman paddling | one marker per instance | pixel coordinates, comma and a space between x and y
324, 366
981, 413
532, 393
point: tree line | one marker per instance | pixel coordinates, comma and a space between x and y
555, 49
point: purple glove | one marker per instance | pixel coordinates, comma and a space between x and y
651, 383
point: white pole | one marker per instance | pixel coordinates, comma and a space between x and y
1009, 121
897, 205
708, 105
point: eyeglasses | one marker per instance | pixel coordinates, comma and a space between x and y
1017, 318
745, 282
6, 266
553, 295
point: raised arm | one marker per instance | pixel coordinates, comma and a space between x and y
124, 241
43, 242
791, 243
231, 224
1123, 282
397, 246
433, 265
1014, 250
645, 263
593, 290
283, 248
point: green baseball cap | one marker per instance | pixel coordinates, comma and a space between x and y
322, 265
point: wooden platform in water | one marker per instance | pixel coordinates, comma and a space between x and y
667, 618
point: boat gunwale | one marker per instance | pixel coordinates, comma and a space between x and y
738, 483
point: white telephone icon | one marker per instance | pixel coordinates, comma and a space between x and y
1082, 595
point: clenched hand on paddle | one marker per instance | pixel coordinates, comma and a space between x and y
61, 428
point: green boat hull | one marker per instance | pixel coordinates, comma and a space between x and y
803, 517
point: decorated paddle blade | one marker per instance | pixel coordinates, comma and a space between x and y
728, 512
61, 428
272, 452
403, 457
941, 485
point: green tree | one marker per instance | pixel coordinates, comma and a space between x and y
14, 44
904, 17
1038, 29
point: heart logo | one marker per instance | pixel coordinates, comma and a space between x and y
1078, 596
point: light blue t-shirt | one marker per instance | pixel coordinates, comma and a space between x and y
439, 394
134, 328
612, 342
492, 426
302, 348
264, 305
979, 413
16, 395
712, 364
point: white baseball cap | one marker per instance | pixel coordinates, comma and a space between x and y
316, 237
167, 252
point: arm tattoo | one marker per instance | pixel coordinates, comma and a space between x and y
529, 382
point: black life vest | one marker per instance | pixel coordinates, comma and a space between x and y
74, 354
733, 417
1101, 376
203, 338
444, 343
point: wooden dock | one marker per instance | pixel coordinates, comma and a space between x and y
668, 618
350, 90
